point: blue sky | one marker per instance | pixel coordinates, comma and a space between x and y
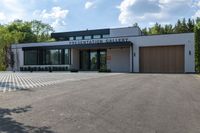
69, 15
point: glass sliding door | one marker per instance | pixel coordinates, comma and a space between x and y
103, 59
92, 60
67, 56
84, 60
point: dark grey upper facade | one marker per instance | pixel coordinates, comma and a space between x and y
65, 36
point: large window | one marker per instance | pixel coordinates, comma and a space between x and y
87, 37
66, 56
97, 36
30, 57
79, 38
71, 38
47, 57
106, 36
53, 57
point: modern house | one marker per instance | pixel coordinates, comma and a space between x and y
118, 49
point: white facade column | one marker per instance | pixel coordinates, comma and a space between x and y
74, 58
18, 58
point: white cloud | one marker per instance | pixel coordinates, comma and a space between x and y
197, 14
171, 1
2, 16
55, 13
55, 16
152, 10
89, 4
11, 10
25, 10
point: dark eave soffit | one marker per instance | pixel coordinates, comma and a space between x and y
98, 45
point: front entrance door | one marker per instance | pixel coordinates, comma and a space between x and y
92, 60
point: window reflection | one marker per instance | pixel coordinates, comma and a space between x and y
47, 57
30, 57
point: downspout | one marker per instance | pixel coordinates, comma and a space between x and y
16, 58
132, 57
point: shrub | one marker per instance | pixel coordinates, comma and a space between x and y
105, 70
197, 47
35, 69
39, 68
73, 70
25, 69
50, 69
31, 69
66, 68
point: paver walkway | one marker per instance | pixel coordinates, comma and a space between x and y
10, 81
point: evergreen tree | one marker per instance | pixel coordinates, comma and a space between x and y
144, 31
190, 25
177, 26
156, 29
184, 27
197, 20
168, 29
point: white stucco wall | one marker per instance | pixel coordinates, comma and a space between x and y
75, 58
186, 39
120, 59
18, 58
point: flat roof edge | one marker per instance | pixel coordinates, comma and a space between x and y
169, 34
61, 42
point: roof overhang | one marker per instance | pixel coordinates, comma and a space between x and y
93, 43
79, 46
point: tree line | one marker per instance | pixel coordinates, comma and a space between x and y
181, 26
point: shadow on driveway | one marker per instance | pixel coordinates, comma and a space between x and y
9, 125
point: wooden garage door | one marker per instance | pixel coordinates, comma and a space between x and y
162, 59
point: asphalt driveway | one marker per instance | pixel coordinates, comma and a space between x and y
121, 103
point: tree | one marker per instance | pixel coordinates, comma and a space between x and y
181, 26
24, 28
135, 25
156, 29
20, 32
184, 28
197, 47
178, 26
41, 30
197, 20
190, 25
144, 31
168, 29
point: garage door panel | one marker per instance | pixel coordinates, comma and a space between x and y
165, 59
180, 59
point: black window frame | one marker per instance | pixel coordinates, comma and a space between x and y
41, 56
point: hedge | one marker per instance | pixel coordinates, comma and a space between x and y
197, 47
